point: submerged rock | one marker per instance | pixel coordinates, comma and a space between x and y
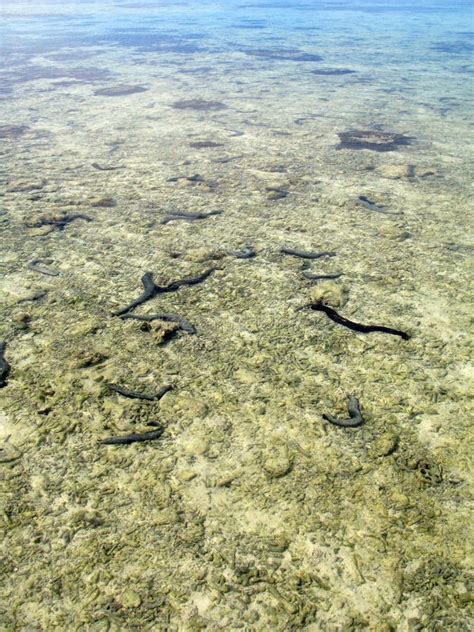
375, 141
328, 293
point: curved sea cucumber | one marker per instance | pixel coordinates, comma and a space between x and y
345, 322
4, 366
170, 318
364, 201
306, 255
133, 438
244, 253
104, 168
188, 217
135, 395
62, 221
318, 277
151, 289
36, 266
355, 416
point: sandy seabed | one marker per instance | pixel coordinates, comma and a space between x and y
251, 511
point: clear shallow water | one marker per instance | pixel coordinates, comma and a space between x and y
251, 512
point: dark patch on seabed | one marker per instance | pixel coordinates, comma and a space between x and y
12, 131
119, 90
198, 104
330, 72
82, 74
205, 144
453, 48
375, 141
153, 42
283, 54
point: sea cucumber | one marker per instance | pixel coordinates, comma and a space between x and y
306, 255
318, 277
170, 318
355, 416
244, 253
4, 366
365, 329
133, 438
372, 206
36, 266
135, 395
62, 221
188, 217
151, 289
102, 168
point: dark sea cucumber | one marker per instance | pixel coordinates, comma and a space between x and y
372, 206
4, 366
244, 253
134, 395
36, 266
61, 222
319, 277
355, 416
184, 325
104, 168
188, 217
365, 329
133, 438
151, 289
306, 255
